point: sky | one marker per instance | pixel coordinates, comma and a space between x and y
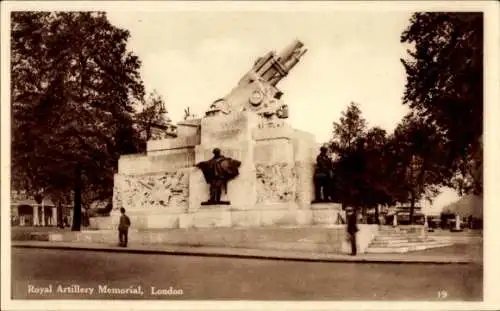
194, 57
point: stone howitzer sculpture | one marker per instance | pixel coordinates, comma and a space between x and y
257, 90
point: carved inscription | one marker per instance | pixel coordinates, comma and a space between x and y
270, 123
228, 127
226, 134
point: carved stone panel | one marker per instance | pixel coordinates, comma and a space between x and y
168, 190
275, 182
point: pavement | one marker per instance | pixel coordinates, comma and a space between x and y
441, 256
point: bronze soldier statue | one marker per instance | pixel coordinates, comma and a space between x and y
217, 172
323, 177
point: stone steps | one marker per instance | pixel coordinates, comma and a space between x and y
398, 236
396, 232
405, 249
391, 243
402, 240
395, 244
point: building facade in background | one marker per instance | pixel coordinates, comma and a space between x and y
26, 212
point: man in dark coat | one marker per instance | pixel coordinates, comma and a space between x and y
323, 176
352, 228
217, 172
123, 228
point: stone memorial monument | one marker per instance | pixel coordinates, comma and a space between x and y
266, 178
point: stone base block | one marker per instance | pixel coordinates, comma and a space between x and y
105, 222
101, 223
265, 206
245, 218
185, 220
139, 220
326, 213
215, 216
162, 221
278, 217
209, 203
320, 239
303, 216
211, 216
325, 217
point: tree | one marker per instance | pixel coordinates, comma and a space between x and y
348, 130
469, 176
154, 114
346, 133
360, 178
73, 92
445, 87
418, 161
349, 167
377, 175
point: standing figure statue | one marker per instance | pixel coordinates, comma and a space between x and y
217, 172
323, 177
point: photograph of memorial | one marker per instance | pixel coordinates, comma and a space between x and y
245, 153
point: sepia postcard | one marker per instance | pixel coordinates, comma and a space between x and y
222, 155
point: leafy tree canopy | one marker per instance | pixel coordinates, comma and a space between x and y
74, 89
445, 87
349, 129
360, 178
153, 114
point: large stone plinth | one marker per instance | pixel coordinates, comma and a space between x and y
164, 189
327, 213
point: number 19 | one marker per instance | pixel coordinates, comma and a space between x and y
442, 294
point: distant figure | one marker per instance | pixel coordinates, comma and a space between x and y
217, 172
323, 177
123, 228
85, 218
352, 228
395, 220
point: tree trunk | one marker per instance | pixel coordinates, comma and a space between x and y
77, 208
412, 208
60, 215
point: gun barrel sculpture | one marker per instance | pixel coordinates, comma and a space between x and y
256, 90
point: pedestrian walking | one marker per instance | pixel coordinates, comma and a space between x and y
123, 228
352, 228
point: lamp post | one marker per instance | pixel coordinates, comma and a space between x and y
77, 213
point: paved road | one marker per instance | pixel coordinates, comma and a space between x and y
233, 278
